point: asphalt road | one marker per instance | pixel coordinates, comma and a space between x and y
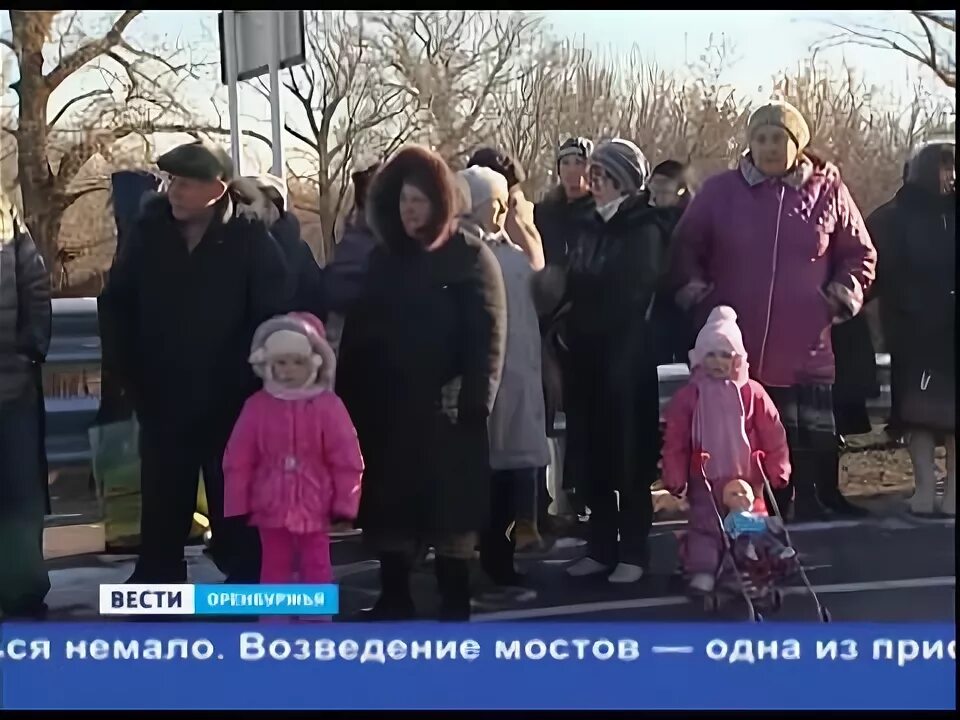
882, 569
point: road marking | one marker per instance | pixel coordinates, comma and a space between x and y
675, 600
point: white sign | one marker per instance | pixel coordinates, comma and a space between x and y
253, 50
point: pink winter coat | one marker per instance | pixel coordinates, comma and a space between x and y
789, 257
293, 464
682, 461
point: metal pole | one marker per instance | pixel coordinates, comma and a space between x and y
276, 115
230, 57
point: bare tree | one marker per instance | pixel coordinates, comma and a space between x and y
565, 90
932, 44
858, 129
455, 63
139, 93
344, 100
531, 110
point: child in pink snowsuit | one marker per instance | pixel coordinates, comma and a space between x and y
293, 463
722, 425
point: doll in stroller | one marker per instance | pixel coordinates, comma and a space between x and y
757, 557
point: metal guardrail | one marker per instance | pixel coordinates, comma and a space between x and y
72, 380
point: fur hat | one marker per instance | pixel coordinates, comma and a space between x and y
500, 162
255, 201
279, 335
483, 185
624, 162
275, 188
426, 170
782, 114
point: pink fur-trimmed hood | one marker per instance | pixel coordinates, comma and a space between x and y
310, 327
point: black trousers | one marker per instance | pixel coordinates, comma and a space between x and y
807, 414
613, 435
507, 489
632, 521
171, 463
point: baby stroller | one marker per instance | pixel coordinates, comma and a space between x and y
756, 581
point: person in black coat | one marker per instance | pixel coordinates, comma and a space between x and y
671, 189
557, 217
568, 204
25, 329
420, 360
344, 275
343, 278
265, 196
193, 281
915, 234
613, 402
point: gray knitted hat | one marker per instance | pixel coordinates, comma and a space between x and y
624, 162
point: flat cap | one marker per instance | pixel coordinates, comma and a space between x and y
197, 160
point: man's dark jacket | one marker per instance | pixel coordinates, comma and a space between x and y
184, 320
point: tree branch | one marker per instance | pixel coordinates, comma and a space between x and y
90, 51
74, 100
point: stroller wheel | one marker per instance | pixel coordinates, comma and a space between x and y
825, 615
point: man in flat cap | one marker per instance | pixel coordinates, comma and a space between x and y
193, 280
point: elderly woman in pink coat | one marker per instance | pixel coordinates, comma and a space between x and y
781, 241
293, 465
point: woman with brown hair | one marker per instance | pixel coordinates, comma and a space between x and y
420, 361
781, 241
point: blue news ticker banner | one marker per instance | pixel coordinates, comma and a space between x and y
425, 666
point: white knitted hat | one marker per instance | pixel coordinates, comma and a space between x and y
286, 342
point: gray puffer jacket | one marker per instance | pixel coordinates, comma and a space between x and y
25, 311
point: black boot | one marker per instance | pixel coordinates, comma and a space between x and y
807, 506
496, 559
453, 582
395, 602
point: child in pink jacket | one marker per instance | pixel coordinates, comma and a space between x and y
723, 426
293, 463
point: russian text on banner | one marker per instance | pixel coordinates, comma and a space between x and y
245, 600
